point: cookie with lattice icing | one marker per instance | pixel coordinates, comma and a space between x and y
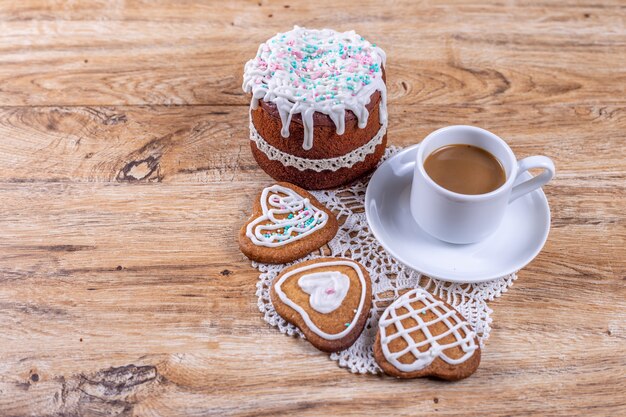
329, 299
421, 335
286, 224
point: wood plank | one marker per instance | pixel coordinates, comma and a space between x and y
195, 55
114, 255
163, 10
210, 144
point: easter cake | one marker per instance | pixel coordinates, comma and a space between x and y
318, 113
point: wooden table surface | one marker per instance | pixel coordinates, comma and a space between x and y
125, 172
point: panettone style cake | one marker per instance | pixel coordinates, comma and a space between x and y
318, 115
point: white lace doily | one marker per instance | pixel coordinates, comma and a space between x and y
354, 240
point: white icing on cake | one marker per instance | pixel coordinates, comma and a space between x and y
464, 336
306, 71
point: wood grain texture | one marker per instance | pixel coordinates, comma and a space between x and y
125, 174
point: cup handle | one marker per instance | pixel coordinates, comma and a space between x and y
537, 161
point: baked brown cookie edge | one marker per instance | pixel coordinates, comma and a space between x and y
293, 317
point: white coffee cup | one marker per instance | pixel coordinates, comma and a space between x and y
464, 218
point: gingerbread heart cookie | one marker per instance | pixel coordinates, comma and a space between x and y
329, 299
421, 335
287, 223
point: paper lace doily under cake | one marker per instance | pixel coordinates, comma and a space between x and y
389, 278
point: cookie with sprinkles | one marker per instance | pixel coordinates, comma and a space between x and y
421, 335
318, 112
329, 299
286, 224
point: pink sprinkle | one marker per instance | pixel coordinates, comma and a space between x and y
330, 291
297, 54
290, 42
282, 207
275, 66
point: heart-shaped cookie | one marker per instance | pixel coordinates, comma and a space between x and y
329, 299
286, 224
421, 335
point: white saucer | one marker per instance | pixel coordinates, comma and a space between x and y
519, 239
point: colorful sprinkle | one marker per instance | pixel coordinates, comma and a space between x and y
324, 61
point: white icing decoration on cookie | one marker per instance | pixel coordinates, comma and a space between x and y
327, 164
326, 289
302, 218
305, 315
306, 71
450, 317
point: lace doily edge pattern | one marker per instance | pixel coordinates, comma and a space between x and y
318, 165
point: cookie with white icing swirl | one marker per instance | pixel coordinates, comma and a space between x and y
421, 335
286, 224
329, 299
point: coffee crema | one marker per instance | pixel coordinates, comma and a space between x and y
465, 169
